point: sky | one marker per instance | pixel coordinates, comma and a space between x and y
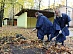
46, 2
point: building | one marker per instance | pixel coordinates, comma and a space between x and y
69, 11
26, 17
7, 21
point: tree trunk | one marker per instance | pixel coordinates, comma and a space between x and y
2, 12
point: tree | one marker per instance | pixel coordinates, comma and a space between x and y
29, 4
38, 4
1, 11
10, 9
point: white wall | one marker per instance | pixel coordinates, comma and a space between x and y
63, 10
22, 20
5, 22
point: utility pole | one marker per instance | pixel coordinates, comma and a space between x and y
66, 6
48, 4
39, 4
54, 4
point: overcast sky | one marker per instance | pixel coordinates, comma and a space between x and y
46, 2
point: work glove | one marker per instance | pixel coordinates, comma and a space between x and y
33, 29
66, 25
60, 31
54, 38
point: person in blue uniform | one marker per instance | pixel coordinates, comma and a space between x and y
43, 26
61, 25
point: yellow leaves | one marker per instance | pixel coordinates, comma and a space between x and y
63, 2
28, 3
30, 41
21, 2
58, 49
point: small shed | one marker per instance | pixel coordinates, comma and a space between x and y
7, 21
26, 17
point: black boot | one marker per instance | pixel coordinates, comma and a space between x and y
62, 43
48, 38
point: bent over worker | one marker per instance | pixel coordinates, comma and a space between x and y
43, 26
61, 25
